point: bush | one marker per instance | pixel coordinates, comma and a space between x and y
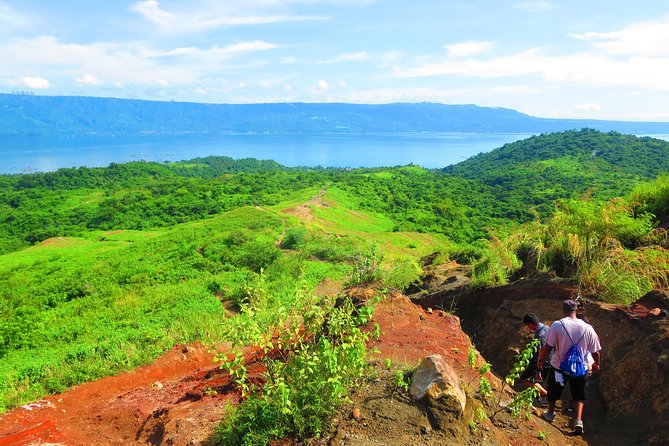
302, 394
295, 238
402, 273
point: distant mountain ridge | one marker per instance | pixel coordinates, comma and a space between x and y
80, 115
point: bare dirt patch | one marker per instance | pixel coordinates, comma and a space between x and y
303, 211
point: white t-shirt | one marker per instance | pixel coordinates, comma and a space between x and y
579, 331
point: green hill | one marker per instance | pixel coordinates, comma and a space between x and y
530, 174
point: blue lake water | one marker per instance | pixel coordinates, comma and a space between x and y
432, 150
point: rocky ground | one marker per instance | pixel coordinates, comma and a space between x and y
180, 398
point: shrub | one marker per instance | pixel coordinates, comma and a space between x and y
295, 238
303, 393
402, 273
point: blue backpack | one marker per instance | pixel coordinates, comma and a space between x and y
572, 362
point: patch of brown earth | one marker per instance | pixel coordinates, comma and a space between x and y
303, 211
52, 241
389, 417
177, 400
441, 277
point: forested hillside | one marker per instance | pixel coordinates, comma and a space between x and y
78, 115
528, 175
507, 186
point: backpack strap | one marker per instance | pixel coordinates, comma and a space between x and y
569, 336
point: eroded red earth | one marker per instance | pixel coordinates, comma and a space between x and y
181, 397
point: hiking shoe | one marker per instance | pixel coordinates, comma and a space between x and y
578, 427
541, 402
548, 416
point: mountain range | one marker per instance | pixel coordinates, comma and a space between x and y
80, 115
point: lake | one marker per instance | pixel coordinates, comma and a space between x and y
432, 150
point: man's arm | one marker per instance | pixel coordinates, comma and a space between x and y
595, 365
543, 353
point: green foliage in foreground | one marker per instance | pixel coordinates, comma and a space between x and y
323, 354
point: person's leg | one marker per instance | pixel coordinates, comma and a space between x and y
578, 388
542, 392
554, 394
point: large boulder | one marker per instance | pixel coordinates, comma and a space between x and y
436, 383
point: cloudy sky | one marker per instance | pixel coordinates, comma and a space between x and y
602, 59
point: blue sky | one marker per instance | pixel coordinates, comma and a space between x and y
583, 59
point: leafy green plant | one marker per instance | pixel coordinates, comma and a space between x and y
295, 238
401, 382
496, 265
522, 401
402, 273
366, 267
323, 355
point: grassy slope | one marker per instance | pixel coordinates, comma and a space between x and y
78, 308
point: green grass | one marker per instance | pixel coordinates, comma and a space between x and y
75, 309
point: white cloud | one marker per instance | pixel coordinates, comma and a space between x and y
514, 89
323, 85
588, 106
213, 15
587, 68
648, 39
213, 52
11, 19
348, 57
288, 88
388, 95
36, 83
88, 79
128, 64
467, 49
341, 84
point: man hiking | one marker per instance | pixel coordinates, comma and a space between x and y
571, 338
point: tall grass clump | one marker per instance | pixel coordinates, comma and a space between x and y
601, 244
498, 262
652, 197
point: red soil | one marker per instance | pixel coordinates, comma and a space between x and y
165, 402
169, 402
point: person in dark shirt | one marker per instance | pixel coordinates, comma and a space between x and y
532, 375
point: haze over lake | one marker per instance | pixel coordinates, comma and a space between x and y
433, 150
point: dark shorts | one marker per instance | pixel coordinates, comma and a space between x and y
577, 386
529, 373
